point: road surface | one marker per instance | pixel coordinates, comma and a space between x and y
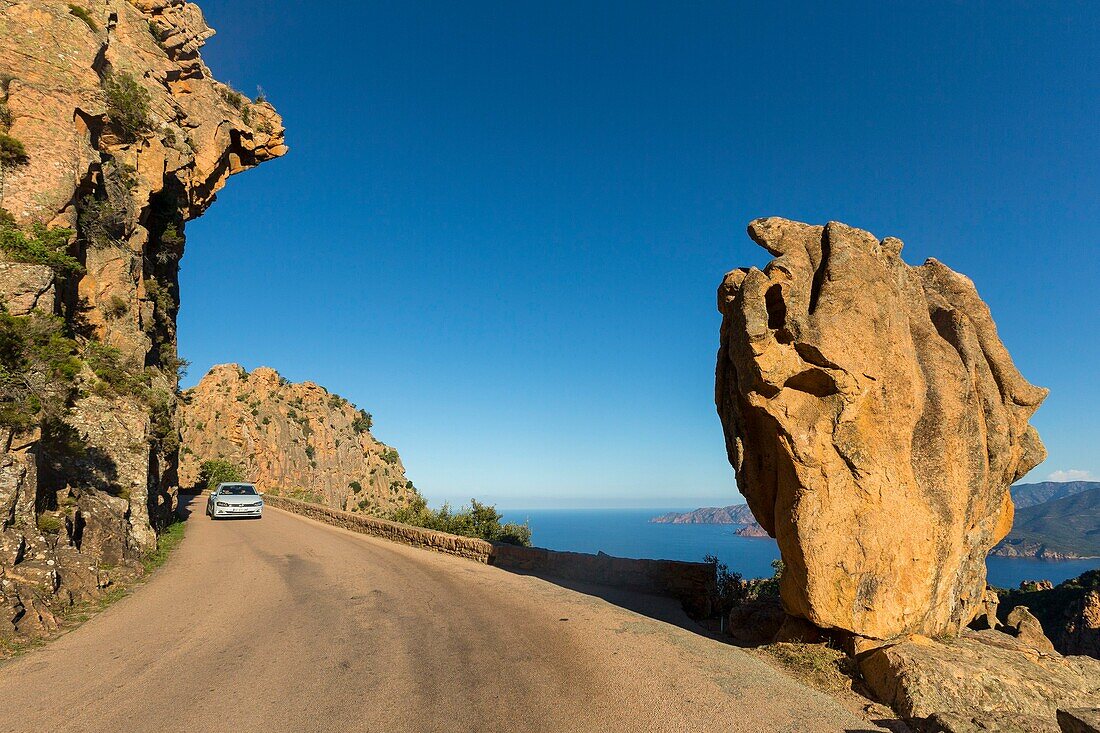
286, 624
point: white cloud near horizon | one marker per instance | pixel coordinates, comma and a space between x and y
1073, 474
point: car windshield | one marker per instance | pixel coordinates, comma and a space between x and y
238, 490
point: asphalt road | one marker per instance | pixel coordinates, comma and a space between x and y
286, 624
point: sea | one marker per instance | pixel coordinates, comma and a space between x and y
629, 533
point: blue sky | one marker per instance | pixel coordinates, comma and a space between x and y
501, 224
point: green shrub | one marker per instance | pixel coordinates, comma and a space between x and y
127, 104
116, 307
310, 452
42, 246
101, 221
84, 16
107, 364
477, 520
157, 33
50, 524
219, 471
167, 540
234, 98
162, 299
363, 422
12, 151
356, 487
389, 455
38, 369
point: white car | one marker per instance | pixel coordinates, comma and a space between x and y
235, 500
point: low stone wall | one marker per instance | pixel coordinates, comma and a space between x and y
428, 539
692, 583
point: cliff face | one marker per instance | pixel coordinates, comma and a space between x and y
875, 421
295, 440
112, 135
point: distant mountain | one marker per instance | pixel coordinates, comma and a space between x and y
1025, 495
734, 514
1060, 529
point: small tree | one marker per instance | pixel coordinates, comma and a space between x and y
219, 471
12, 151
127, 104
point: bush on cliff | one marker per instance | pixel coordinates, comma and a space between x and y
12, 151
38, 369
127, 104
42, 246
477, 520
85, 16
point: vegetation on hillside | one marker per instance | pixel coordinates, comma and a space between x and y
38, 370
85, 16
477, 520
218, 471
127, 104
41, 246
734, 590
12, 151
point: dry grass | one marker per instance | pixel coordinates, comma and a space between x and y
818, 665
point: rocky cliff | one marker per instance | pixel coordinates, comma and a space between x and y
113, 134
875, 422
296, 440
1069, 612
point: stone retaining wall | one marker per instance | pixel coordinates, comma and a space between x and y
428, 539
692, 583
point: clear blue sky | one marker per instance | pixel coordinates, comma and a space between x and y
501, 224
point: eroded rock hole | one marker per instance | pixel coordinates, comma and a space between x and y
777, 308
813, 381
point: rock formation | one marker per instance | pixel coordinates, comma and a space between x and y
875, 422
1069, 612
112, 135
291, 439
984, 676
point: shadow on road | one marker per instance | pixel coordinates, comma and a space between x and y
659, 608
187, 503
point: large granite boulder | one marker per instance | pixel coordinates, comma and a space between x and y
875, 421
982, 675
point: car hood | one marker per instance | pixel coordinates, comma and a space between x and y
239, 499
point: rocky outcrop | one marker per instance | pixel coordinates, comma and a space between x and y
875, 422
291, 439
751, 530
983, 676
1069, 612
125, 136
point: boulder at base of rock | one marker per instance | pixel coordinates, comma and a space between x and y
1028, 630
875, 422
980, 674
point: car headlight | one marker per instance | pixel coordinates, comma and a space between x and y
221, 503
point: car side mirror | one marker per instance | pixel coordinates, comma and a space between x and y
261, 493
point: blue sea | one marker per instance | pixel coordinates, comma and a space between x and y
629, 533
